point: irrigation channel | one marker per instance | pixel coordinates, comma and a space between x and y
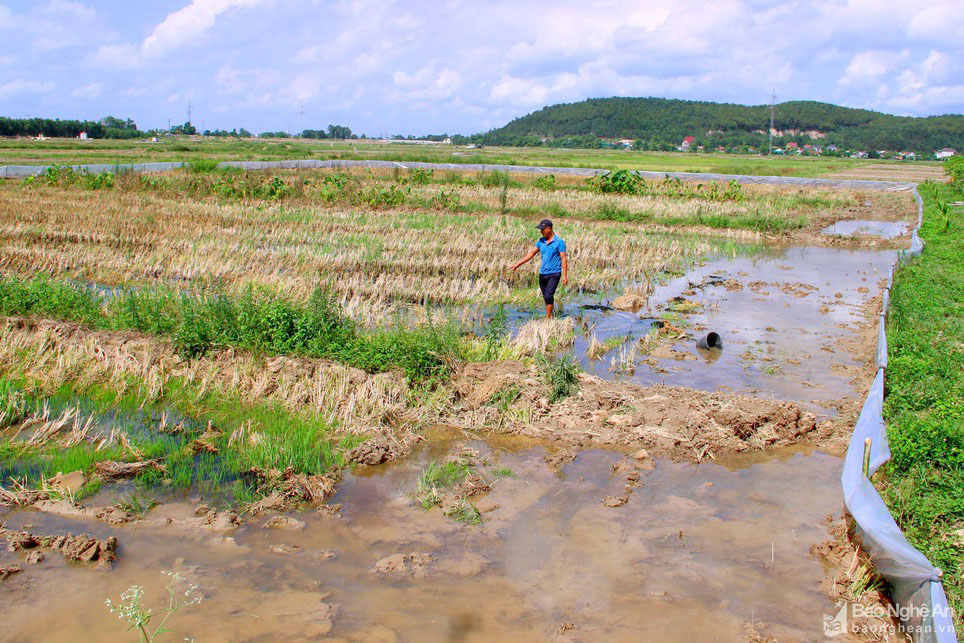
716, 550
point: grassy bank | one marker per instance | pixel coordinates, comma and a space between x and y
924, 407
204, 439
256, 320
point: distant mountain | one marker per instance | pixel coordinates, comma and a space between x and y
657, 123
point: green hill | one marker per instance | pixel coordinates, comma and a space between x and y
658, 123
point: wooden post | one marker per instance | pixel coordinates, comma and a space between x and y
867, 444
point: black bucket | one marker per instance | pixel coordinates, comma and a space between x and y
710, 340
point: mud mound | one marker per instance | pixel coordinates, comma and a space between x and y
668, 421
479, 382
110, 515
414, 564
851, 578
287, 488
381, 448
21, 497
110, 470
82, 547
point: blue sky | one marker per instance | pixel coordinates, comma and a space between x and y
417, 67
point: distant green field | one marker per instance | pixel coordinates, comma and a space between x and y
67, 152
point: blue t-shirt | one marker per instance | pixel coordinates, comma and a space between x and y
551, 261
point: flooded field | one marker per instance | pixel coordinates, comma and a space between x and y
675, 494
883, 229
789, 321
697, 552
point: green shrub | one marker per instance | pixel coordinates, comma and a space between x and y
546, 182
202, 165
41, 296
954, 168
616, 182
496, 179
561, 376
420, 176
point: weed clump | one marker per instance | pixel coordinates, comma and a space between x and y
561, 376
436, 479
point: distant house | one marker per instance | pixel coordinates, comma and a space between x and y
627, 143
792, 147
831, 148
688, 143
82, 136
945, 153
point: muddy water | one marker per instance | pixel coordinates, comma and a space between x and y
883, 229
697, 551
784, 316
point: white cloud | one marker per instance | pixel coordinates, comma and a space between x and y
178, 29
21, 86
184, 25
93, 90
868, 66
463, 66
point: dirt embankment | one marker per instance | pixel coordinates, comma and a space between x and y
674, 422
680, 423
851, 580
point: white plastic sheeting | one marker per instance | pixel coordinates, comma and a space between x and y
916, 587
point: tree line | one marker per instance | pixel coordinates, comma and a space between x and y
107, 127
657, 123
113, 127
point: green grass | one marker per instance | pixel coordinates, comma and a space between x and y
435, 479
464, 511
28, 152
924, 407
255, 320
269, 437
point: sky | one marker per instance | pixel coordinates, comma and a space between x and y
383, 67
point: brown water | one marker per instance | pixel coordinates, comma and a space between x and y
782, 329
697, 551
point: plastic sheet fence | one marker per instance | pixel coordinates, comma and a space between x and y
917, 589
916, 584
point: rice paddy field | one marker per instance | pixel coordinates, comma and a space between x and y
69, 152
322, 398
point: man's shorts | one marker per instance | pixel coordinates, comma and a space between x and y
548, 285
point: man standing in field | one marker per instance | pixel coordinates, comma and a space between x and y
555, 263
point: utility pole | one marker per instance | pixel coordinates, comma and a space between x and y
189, 113
301, 118
773, 102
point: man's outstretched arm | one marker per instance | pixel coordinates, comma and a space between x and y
526, 259
565, 268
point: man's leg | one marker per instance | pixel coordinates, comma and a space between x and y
549, 292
